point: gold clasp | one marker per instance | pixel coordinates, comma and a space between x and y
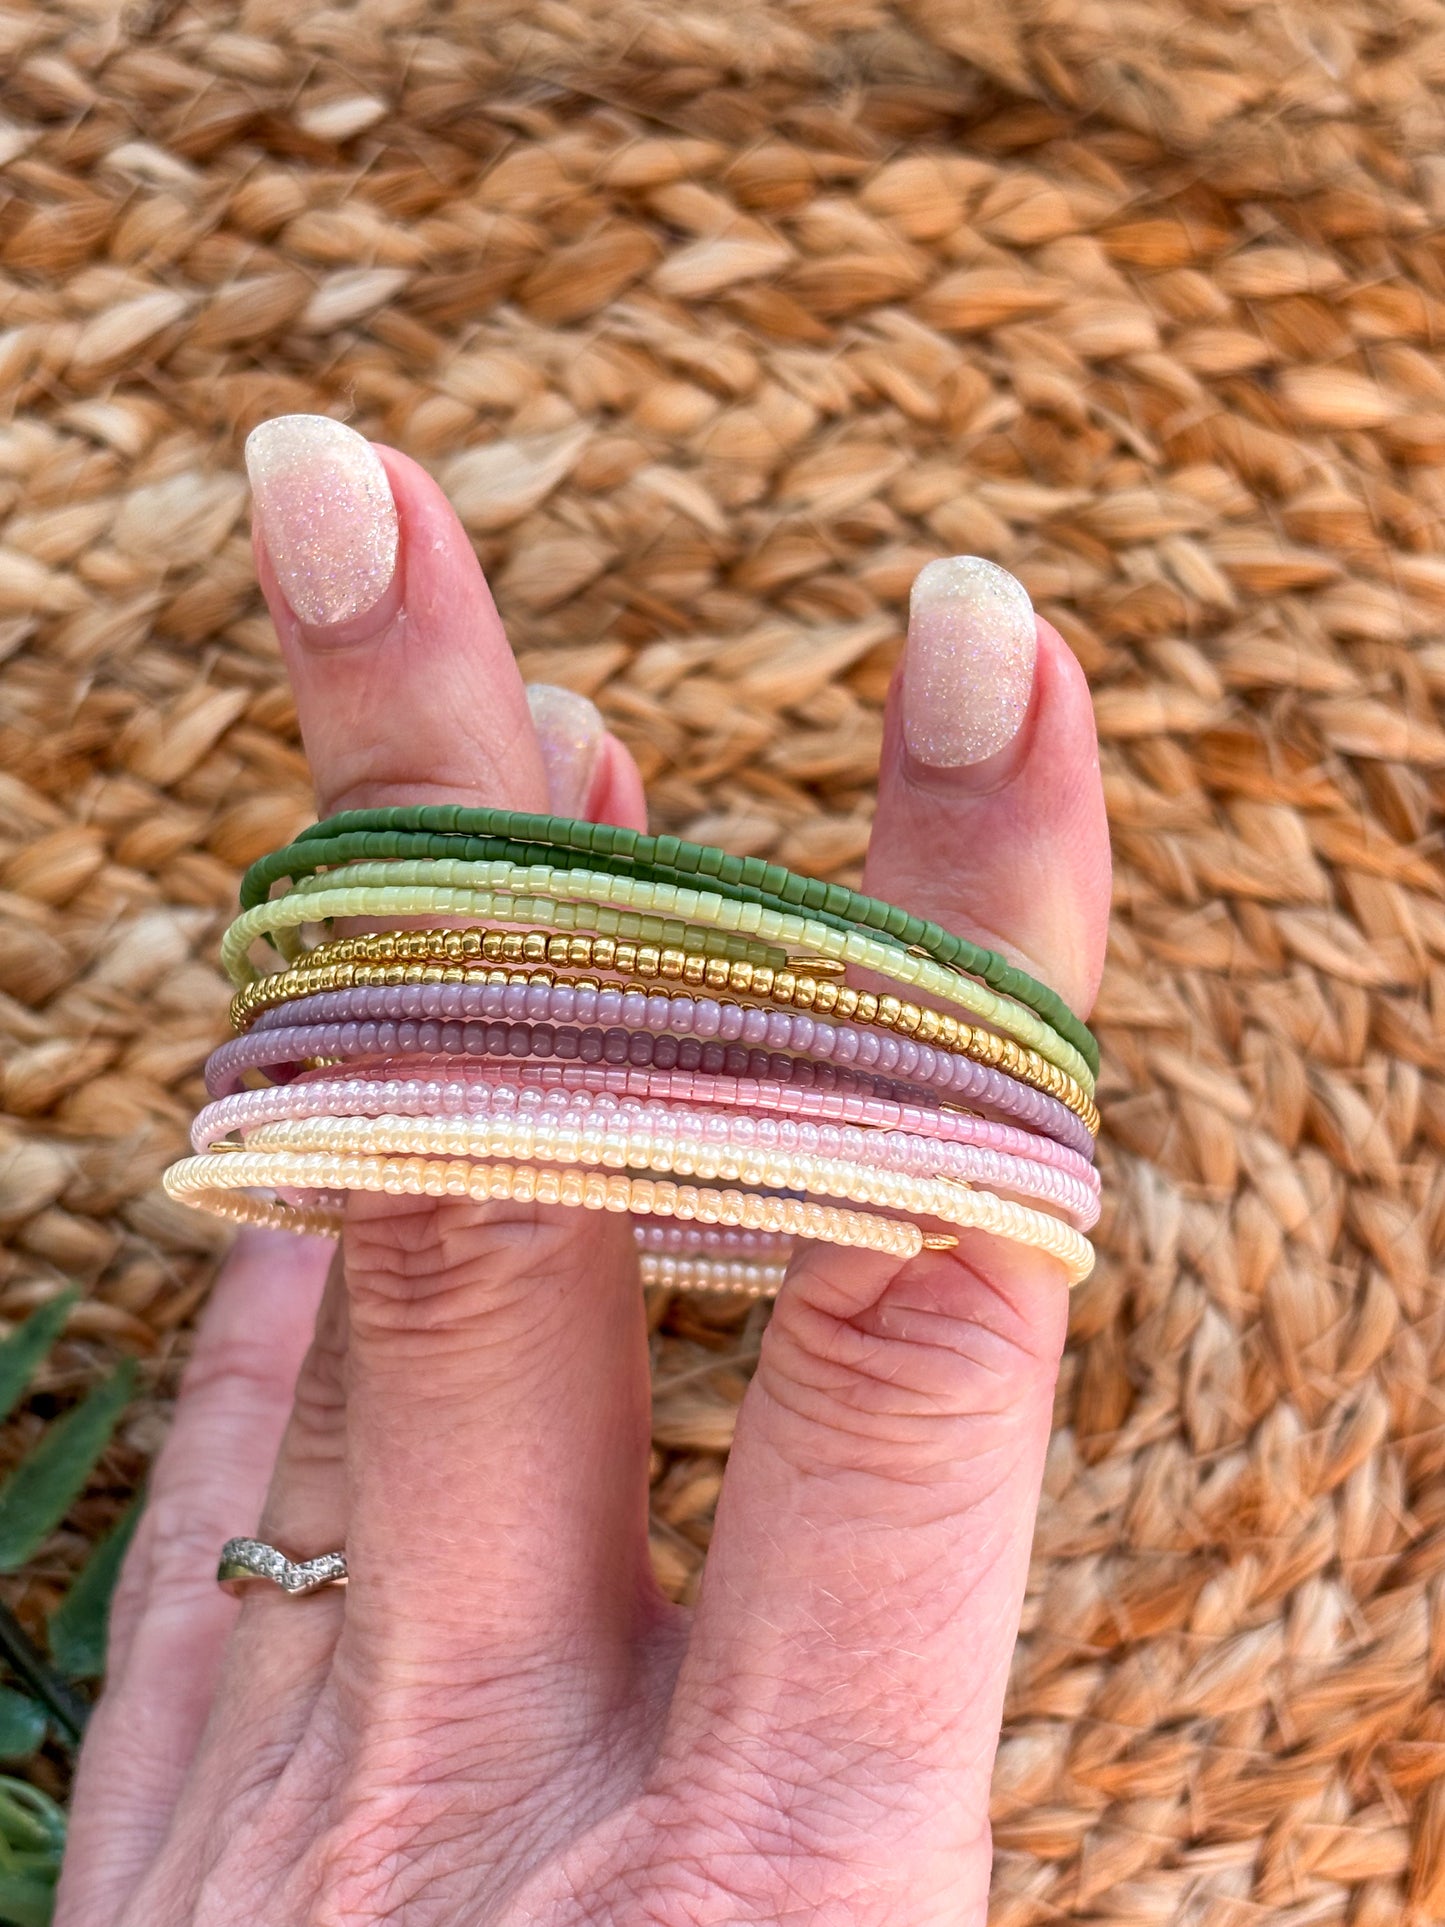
816, 966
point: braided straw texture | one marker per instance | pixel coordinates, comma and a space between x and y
717, 322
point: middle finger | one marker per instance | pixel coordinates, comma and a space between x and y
496, 1371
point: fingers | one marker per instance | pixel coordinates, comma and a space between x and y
270, 1682
404, 684
278, 1662
496, 1391
170, 1620
991, 808
589, 773
864, 1582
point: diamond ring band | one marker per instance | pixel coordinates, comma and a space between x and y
247, 1562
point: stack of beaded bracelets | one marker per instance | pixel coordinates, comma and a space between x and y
632, 1023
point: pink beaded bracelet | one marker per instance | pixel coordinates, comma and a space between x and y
495, 1124
820, 1091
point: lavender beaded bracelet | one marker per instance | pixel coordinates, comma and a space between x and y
278, 1046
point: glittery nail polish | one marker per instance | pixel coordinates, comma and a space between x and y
968, 669
326, 514
569, 733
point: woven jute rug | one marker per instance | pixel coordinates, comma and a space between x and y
717, 322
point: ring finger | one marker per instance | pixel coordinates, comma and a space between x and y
170, 1623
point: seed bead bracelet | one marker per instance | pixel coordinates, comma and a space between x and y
680, 1257
759, 1247
529, 1088
323, 975
677, 1257
541, 997
428, 830
692, 1269
697, 964
378, 893
668, 1153
210, 1178
607, 1133
636, 1024
710, 1274
575, 916
633, 1036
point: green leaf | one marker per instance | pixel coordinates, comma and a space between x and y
30, 1823
42, 1488
78, 1624
23, 1350
22, 1724
32, 1840
67, 1708
27, 1899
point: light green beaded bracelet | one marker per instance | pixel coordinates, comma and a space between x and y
484, 834
383, 891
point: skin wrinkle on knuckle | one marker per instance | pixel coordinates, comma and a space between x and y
442, 1263
236, 1371
318, 1408
262, 1784
275, 1797
417, 1748
855, 1784
729, 1867
416, 1738
277, 1806
766, 1831
258, 1760
191, 1518
823, 1772
315, 1453
405, 1807
363, 1868
910, 1404
400, 1844
938, 1479
280, 1783
251, 1890
207, 1880
954, 1371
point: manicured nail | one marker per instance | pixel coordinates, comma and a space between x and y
569, 733
968, 668
327, 515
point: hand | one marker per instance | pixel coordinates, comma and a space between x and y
501, 1721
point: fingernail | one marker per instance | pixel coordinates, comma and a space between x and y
968, 668
569, 732
326, 513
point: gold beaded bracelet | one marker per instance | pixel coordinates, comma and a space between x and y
399, 957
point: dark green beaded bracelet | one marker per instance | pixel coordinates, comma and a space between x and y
452, 830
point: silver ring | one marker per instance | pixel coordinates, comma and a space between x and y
245, 1561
